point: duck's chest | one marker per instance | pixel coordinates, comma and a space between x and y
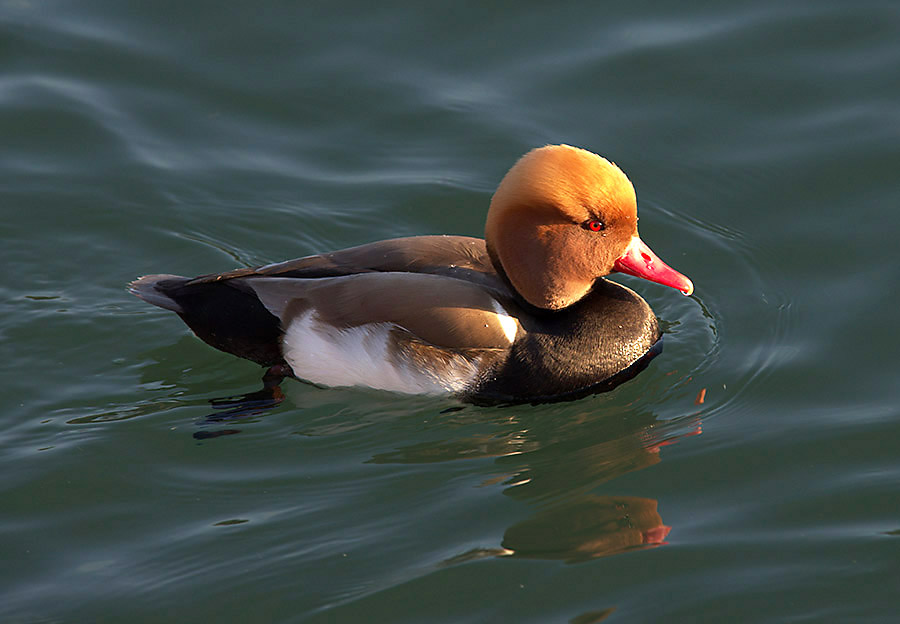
602, 341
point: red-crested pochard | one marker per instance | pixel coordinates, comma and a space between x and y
521, 316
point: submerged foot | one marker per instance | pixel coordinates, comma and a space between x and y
251, 404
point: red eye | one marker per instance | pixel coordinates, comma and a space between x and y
594, 225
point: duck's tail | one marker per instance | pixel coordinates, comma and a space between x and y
151, 288
221, 313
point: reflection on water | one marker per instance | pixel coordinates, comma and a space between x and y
558, 476
552, 465
579, 530
586, 528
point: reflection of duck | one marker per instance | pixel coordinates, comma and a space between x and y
586, 528
558, 467
543, 463
521, 316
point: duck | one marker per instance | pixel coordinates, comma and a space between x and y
524, 315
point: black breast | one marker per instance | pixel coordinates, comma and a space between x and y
603, 340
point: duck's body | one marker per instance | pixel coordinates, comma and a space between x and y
503, 320
421, 315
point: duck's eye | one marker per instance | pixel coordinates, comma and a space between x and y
594, 225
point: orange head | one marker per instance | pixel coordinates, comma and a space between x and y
561, 218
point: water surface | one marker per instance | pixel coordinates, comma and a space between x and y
763, 140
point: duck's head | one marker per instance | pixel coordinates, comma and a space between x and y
561, 218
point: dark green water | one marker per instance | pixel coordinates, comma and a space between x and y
763, 139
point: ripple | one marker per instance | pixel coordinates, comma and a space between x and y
736, 330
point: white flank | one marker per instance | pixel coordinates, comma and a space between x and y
358, 356
507, 323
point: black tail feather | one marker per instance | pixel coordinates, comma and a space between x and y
223, 316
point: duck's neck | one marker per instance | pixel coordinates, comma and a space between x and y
550, 292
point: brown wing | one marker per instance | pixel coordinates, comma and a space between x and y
442, 311
461, 257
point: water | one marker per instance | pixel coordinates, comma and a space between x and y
763, 140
